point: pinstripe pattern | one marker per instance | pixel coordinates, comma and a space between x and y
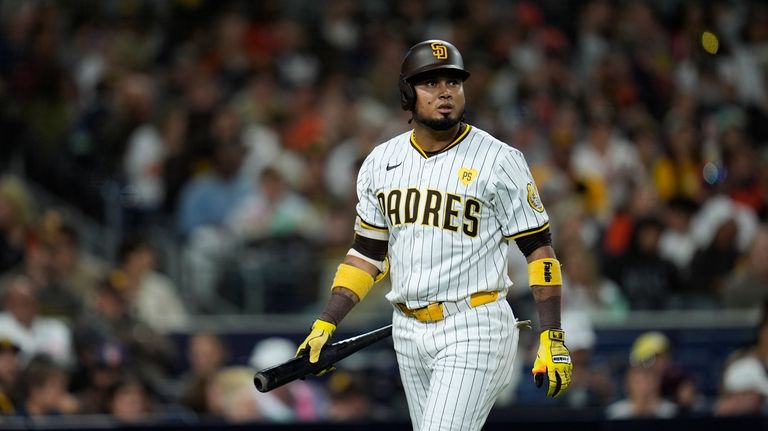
454, 369
431, 264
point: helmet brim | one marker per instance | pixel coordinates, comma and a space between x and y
434, 69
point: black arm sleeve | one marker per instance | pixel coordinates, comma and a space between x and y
375, 249
529, 243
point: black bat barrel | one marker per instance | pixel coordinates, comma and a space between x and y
278, 375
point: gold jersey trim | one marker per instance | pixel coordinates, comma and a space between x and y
372, 227
463, 134
527, 232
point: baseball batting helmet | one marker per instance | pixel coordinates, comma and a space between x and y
425, 57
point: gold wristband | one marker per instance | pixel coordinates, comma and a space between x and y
545, 272
354, 279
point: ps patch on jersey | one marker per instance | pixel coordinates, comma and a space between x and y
533, 198
467, 175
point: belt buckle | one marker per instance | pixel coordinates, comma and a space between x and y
431, 313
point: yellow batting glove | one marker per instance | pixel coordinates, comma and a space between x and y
317, 338
554, 360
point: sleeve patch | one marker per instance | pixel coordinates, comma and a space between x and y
533, 198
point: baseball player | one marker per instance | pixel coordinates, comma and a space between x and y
436, 208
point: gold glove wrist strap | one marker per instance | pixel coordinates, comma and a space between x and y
553, 334
354, 279
545, 272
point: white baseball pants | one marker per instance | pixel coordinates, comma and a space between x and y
454, 369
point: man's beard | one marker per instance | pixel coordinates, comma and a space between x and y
444, 123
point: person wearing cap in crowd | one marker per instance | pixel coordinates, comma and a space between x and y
9, 373
102, 365
744, 387
744, 390
649, 357
653, 349
643, 396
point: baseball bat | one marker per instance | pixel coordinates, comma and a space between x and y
280, 374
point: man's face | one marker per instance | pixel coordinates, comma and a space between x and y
439, 99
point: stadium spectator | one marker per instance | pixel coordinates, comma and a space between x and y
677, 173
588, 290
677, 385
10, 369
151, 296
273, 210
79, 272
608, 165
53, 299
713, 264
153, 355
230, 396
747, 285
101, 365
676, 243
744, 384
15, 219
34, 333
208, 199
744, 389
206, 354
45, 390
145, 152
129, 402
643, 397
645, 278
349, 398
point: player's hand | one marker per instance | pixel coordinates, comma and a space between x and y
317, 339
554, 360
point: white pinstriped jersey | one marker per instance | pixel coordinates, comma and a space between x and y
447, 216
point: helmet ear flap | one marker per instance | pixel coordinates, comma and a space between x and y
407, 94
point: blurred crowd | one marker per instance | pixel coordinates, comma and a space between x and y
235, 129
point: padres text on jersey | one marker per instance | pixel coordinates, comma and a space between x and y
447, 216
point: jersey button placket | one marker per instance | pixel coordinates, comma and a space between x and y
426, 171
415, 261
